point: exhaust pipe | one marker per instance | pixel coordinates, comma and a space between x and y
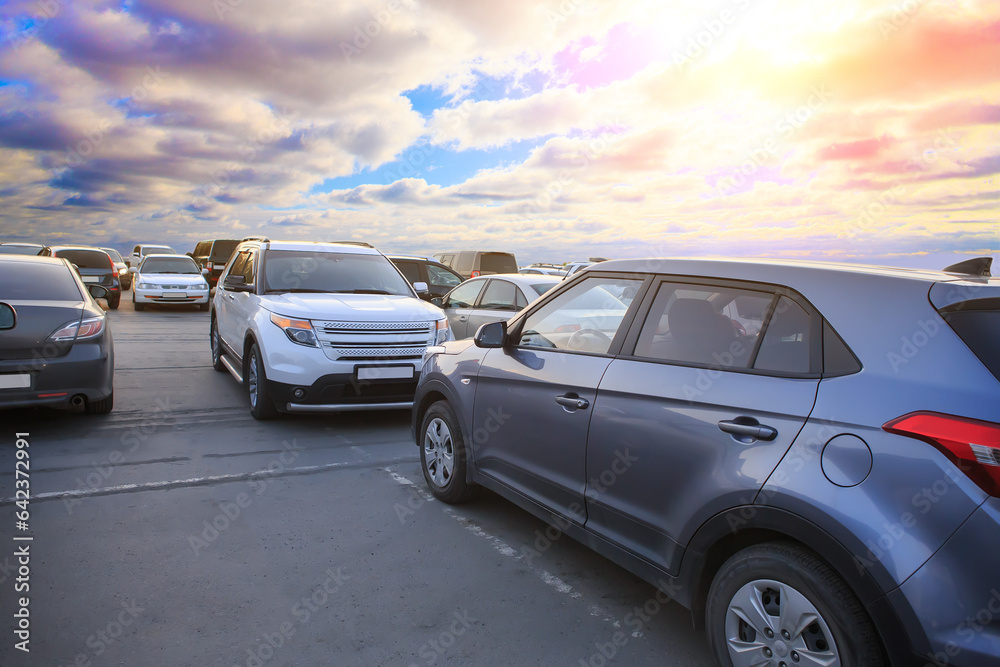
77, 401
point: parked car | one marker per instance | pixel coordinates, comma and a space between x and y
213, 255
15, 248
491, 299
169, 280
806, 455
140, 251
123, 275
474, 263
544, 270
438, 277
321, 327
55, 340
94, 266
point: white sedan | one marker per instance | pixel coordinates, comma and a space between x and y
169, 280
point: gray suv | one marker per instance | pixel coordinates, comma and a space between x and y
806, 455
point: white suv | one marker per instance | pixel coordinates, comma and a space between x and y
311, 327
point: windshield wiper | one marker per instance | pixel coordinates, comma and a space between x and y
298, 290
362, 291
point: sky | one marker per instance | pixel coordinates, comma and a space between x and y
844, 130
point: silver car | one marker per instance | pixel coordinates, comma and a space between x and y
805, 455
491, 299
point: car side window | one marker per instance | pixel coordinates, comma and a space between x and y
585, 318
703, 325
464, 296
410, 270
438, 277
236, 268
135, 250
250, 268
786, 344
520, 301
499, 295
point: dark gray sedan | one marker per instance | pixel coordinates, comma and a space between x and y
806, 455
55, 342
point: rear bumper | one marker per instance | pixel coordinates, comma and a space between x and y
87, 370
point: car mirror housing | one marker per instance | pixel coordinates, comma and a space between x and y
235, 282
204, 272
8, 317
438, 301
133, 269
97, 291
421, 287
492, 334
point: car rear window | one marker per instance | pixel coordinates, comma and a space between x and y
114, 255
497, 262
23, 281
980, 330
223, 250
86, 259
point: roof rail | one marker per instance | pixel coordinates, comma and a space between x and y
360, 243
978, 266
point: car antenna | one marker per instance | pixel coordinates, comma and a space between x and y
978, 266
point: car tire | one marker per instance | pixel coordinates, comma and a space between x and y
255, 379
139, 307
114, 303
203, 306
749, 597
102, 407
443, 455
216, 344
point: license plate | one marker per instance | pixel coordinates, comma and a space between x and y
91, 279
15, 381
385, 373
175, 295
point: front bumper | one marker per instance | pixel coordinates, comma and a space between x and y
158, 296
340, 392
87, 370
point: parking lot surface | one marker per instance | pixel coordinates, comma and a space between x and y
179, 531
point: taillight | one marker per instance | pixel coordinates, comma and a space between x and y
971, 444
208, 265
476, 274
89, 327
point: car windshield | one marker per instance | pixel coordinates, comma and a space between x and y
158, 250
114, 255
332, 272
19, 250
41, 281
86, 259
183, 265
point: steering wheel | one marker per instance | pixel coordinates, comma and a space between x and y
582, 339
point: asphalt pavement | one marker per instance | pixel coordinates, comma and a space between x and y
180, 531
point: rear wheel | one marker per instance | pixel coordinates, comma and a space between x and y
203, 306
113, 303
101, 407
216, 344
778, 604
443, 455
261, 405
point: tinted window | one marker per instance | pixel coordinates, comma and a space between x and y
464, 296
222, 250
786, 343
497, 262
542, 289
24, 281
249, 269
87, 259
239, 263
499, 295
201, 249
521, 301
114, 255
585, 318
980, 330
410, 270
18, 250
837, 357
695, 325
169, 265
335, 272
439, 277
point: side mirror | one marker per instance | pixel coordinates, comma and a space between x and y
492, 334
133, 269
438, 301
421, 287
236, 283
97, 291
8, 317
75, 267
204, 272
189, 255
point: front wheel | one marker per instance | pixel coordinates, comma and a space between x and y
443, 455
216, 344
261, 405
777, 604
113, 303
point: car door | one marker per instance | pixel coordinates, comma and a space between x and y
719, 379
440, 280
225, 315
458, 305
498, 303
544, 385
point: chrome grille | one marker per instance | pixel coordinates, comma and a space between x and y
374, 340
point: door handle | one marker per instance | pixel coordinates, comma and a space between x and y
463, 318
573, 402
748, 428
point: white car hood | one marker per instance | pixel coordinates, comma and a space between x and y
351, 307
172, 278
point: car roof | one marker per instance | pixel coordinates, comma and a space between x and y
771, 270
314, 246
167, 255
57, 248
419, 258
33, 258
23, 244
522, 279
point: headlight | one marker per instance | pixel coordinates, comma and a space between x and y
298, 331
202, 287
443, 331
89, 327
